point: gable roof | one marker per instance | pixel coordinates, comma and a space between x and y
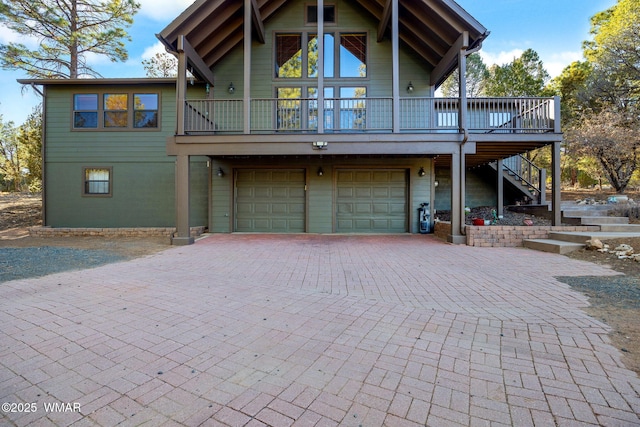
432, 28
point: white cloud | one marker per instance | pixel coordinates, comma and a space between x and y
163, 10
500, 58
151, 51
554, 63
9, 36
559, 61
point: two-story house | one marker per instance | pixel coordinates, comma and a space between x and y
290, 116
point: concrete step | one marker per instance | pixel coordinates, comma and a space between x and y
582, 236
593, 211
620, 228
601, 220
551, 245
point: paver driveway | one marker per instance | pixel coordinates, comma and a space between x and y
312, 331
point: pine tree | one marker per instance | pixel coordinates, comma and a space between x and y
67, 30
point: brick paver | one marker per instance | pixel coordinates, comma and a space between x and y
307, 330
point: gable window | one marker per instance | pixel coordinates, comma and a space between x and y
85, 110
97, 181
329, 14
289, 56
296, 55
116, 111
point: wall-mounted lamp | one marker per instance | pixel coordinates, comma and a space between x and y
231, 88
410, 88
319, 145
436, 183
220, 172
320, 171
421, 172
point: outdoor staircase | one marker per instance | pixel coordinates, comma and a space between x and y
525, 176
564, 242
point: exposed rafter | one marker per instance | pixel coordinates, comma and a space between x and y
428, 27
384, 20
257, 21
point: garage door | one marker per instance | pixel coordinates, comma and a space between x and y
270, 200
371, 201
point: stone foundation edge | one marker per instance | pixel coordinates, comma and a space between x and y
501, 236
50, 232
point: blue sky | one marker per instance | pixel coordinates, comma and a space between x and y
553, 28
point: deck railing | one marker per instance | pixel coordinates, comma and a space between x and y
269, 115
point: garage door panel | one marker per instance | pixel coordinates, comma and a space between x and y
371, 201
270, 200
297, 209
381, 192
345, 192
381, 208
363, 192
363, 208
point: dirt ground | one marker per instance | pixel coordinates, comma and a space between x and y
615, 301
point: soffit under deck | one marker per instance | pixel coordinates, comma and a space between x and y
430, 27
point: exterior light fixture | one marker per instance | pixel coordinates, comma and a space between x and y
410, 88
320, 171
319, 145
220, 172
231, 88
421, 172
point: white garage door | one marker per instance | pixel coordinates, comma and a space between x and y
371, 201
270, 200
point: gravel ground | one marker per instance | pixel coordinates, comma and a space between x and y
485, 212
22, 263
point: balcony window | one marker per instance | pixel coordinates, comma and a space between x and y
289, 111
289, 56
295, 60
328, 108
353, 108
329, 60
353, 55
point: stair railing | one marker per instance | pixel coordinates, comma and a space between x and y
530, 175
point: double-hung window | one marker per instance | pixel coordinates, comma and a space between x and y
97, 181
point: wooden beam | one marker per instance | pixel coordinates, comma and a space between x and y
194, 59
257, 21
384, 20
449, 59
246, 89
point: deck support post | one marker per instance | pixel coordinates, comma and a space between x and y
183, 196
556, 210
500, 185
457, 219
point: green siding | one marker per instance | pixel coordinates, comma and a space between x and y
142, 195
143, 192
350, 17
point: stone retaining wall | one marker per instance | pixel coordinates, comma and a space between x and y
48, 232
505, 235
